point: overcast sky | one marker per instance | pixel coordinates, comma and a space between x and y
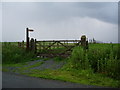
60, 20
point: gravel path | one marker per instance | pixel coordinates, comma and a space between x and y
48, 64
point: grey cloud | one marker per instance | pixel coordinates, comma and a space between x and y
105, 11
59, 11
52, 19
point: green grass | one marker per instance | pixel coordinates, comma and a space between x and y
75, 76
59, 59
99, 65
101, 58
11, 54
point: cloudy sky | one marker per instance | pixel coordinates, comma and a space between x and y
60, 20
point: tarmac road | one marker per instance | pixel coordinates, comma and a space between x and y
11, 80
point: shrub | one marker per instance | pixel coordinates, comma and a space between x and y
13, 54
79, 58
101, 58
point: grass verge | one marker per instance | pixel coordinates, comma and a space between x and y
75, 76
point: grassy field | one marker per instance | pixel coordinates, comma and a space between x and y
12, 54
99, 65
101, 58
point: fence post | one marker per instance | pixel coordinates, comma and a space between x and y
87, 47
83, 40
32, 45
84, 43
35, 45
18, 44
40, 46
23, 44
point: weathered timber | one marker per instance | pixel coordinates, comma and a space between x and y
35, 46
27, 39
53, 48
64, 41
32, 46
51, 45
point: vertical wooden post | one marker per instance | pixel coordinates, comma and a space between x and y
32, 45
40, 46
87, 44
83, 41
23, 44
27, 39
35, 45
53, 47
18, 44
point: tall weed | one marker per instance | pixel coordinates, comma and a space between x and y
101, 58
13, 54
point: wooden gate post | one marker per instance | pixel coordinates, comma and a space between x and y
83, 41
27, 39
32, 45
